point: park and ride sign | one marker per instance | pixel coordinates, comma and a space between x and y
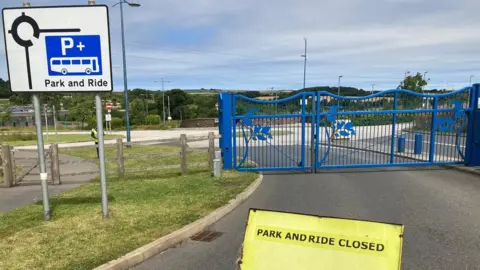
281, 241
58, 48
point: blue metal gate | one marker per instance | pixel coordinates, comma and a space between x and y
310, 131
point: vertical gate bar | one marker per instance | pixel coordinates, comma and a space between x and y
312, 136
303, 128
431, 157
442, 149
317, 128
394, 129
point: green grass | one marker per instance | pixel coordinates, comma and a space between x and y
143, 207
30, 139
139, 157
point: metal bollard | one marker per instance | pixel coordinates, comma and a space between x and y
401, 145
217, 164
418, 144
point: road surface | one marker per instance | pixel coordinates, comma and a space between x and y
438, 207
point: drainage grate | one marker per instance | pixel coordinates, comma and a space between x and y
206, 236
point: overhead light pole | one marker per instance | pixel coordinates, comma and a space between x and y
125, 81
338, 91
405, 77
373, 87
304, 63
425, 79
163, 97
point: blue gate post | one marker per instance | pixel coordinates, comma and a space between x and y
225, 127
472, 156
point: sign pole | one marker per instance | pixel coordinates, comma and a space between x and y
41, 157
101, 150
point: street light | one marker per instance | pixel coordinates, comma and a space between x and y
163, 96
424, 76
404, 77
338, 91
304, 63
471, 76
125, 83
373, 86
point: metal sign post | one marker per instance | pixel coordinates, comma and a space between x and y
103, 177
41, 157
54, 49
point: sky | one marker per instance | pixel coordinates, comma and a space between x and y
257, 45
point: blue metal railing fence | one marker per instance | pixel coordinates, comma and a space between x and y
309, 131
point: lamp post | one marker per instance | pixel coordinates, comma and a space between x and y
404, 77
304, 63
471, 76
125, 83
338, 91
163, 96
373, 87
424, 78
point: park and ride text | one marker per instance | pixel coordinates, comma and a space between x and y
76, 83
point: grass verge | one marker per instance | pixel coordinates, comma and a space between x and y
143, 207
62, 138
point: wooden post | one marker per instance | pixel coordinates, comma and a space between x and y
50, 157
14, 166
120, 160
183, 154
7, 166
55, 163
1, 161
211, 149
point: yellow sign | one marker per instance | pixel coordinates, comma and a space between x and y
278, 240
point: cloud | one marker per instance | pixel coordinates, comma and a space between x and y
257, 44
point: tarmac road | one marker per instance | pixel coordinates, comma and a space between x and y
438, 207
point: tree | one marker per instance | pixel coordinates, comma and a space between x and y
21, 99
178, 100
137, 112
5, 89
5, 116
83, 108
414, 83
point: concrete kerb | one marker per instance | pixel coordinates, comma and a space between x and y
463, 168
143, 253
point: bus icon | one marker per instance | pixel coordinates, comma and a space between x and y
74, 55
86, 65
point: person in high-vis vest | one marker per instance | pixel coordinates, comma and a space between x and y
94, 135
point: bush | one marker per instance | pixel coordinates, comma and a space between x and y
374, 120
117, 122
152, 119
92, 122
17, 136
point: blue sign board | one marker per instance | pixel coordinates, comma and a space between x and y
74, 55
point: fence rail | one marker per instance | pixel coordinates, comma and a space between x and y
120, 159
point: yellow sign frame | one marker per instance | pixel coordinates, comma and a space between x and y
281, 240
